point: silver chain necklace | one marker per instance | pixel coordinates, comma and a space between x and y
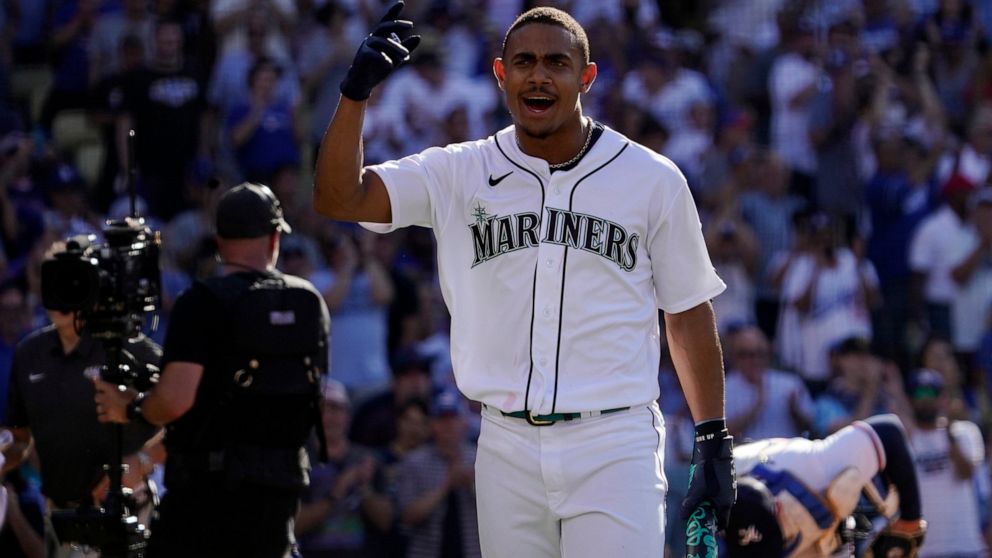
570, 162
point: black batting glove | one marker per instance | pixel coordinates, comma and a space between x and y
380, 54
711, 474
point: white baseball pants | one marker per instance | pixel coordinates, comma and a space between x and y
587, 488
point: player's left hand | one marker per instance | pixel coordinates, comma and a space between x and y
711, 474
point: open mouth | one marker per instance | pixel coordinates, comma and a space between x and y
538, 104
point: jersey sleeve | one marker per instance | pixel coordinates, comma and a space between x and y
684, 276
969, 439
413, 185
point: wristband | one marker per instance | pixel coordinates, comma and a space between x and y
709, 429
133, 409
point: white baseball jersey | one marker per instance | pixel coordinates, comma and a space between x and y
950, 504
553, 280
817, 483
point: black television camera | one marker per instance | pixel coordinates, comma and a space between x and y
110, 287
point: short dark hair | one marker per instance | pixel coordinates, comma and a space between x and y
263, 63
551, 16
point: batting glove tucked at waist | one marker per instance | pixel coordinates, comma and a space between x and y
711, 474
381, 53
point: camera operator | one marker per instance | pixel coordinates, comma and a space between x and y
238, 393
51, 406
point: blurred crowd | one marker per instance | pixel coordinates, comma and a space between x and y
839, 151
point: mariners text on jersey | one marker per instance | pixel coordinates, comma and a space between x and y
494, 235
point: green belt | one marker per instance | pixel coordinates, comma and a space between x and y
545, 420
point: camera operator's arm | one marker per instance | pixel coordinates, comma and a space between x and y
170, 399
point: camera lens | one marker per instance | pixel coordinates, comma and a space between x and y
68, 285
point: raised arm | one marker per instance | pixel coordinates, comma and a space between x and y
343, 190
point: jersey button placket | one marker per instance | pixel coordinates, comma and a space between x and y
547, 294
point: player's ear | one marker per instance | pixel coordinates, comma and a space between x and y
588, 76
499, 70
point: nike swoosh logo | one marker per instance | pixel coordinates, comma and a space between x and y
494, 181
35, 378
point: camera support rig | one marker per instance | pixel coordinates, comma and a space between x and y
111, 287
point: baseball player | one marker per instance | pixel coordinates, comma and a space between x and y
558, 240
794, 496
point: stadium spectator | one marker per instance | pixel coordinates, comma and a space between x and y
376, 419
770, 210
833, 114
164, 105
231, 20
934, 251
324, 57
733, 249
110, 30
953, 34
263, 131
418, 99
436, 491
834, 289
72, 31
227, 82
973, 275
767, 403
937, 353
973, 158
948, 454
413, 430
898, 197
346, 507
358, 297
732, 148
792, 85
661, 87
861, 385
106, 102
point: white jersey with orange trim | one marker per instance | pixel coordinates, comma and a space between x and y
554, 279
816, 483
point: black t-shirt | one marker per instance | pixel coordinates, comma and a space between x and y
199, 333
51, 393
166, 108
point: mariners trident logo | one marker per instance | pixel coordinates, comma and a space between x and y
495, 235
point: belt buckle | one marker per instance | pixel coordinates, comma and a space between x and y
533, 421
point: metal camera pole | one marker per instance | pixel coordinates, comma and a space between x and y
115, 508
